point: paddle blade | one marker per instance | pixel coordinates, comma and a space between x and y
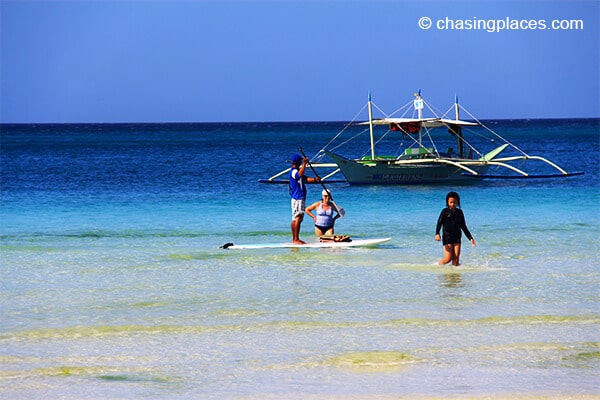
340, 210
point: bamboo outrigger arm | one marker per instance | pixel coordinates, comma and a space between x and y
274, 178
330, 175
457, 164
271, 179
521, 174
527, 157
508, 166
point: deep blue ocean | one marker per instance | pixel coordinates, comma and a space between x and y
113, 284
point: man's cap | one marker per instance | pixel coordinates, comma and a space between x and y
296, 159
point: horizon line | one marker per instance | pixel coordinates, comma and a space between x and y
267, 122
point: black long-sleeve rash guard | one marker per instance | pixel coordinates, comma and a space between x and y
452, 223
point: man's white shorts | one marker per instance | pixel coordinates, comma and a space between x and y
298, 207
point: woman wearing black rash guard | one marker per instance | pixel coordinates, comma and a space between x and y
452, 220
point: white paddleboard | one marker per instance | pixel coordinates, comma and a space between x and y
311, 245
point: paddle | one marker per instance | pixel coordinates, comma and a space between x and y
340, 209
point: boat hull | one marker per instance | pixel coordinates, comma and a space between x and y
391, 172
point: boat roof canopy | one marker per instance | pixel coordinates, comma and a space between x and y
425, 122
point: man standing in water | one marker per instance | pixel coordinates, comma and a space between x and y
298, 193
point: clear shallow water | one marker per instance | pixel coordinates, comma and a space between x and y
113, 284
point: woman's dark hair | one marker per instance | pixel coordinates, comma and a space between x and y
455, 196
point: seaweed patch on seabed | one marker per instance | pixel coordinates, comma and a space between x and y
373, 361
364, 361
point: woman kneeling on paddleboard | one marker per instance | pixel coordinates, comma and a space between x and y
324, 219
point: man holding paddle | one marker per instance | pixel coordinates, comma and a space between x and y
298, 193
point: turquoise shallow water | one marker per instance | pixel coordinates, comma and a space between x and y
114, 286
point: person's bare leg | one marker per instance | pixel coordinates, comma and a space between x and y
456, 254
447, 255
296, 222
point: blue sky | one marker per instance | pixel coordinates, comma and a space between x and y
250, 60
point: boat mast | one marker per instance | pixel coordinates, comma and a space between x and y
458, 128
419, 107
371, 128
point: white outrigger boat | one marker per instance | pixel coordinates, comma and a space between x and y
421, 160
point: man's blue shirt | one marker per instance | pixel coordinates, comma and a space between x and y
297, 185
